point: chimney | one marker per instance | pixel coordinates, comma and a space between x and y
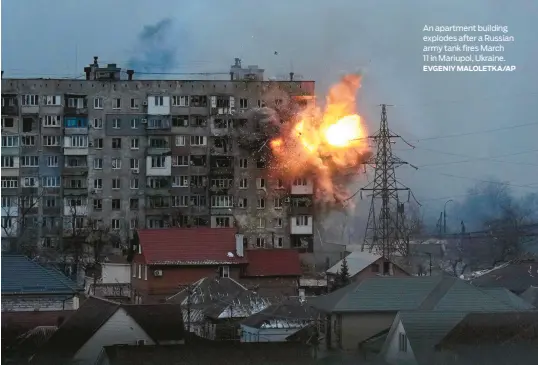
88, 71
291, 76
95, 61
130, 74
239, 245
231, 75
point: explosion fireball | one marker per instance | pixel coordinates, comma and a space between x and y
326, 145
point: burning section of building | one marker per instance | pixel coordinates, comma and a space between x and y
303, 140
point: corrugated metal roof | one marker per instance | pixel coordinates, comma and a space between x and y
356, 262
273, 262
20, 275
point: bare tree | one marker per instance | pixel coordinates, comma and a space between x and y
20, 223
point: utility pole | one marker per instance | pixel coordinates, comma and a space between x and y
385, 232
444, 216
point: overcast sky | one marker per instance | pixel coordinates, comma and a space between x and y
321, 40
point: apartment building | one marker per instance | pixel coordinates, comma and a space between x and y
128, 154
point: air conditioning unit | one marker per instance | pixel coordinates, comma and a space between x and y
145, 103
158, 273
136, 171
144, 121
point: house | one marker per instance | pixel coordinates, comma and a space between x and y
531, 296
211, 353
216, 305
100, 322
29, 286
167, 259
363, 265
274, 272
516, 276
112, 281
492, 338
363, 309
278, 321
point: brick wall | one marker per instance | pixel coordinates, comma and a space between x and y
45, 303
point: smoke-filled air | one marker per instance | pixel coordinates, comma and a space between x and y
327, 143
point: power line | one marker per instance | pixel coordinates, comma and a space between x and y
478, 132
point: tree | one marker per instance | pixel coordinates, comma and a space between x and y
342, 277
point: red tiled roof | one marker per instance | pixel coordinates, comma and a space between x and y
189, 246
273, 262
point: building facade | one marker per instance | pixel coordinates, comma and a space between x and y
128, 154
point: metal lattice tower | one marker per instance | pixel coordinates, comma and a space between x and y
385, 233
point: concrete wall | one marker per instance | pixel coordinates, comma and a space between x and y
42, 303
116, 273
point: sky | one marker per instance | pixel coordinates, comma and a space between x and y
484, 118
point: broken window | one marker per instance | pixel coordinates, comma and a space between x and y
223, 102
158, 143
133, 204
198, 101
8, 123
180, 121
198, 121
260, 164
198, 160
222, 144
221, 123
218, 162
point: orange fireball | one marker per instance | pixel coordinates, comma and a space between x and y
324, 143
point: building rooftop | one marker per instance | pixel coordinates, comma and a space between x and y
273, 262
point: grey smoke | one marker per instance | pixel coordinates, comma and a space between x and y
155, 50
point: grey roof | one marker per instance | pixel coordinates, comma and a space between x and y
356, 262
517, 276
507, 297
20, 275
410, 293
531, 296
287, 313
424, 329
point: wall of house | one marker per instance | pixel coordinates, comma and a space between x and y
356, 327
43, 303
272, 286
120, 329
369, 273
171, 280
393, 354
116, 273
251, 334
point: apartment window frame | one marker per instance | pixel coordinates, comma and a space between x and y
243, 183
135, 143
277, 203
116, 123
134, 184
180, 181
51, 181
260, 242
302, 220
224, 271
261, 183
98, 123
116, 184
180, 140
158, 162
260, 203
30, 100
262, 223
198, 141
10, 141
134, 123
8, 162
115, 224
243, 163
98, 103
180, 100
116, 163
134, 164
116, 103
28, 141
98, 184
158, 100
116, 143
135, 103
402, 342
29, 161
51, 121
180, 161
98, 143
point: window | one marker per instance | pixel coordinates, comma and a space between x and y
243, 184
28, 140
50, 201
50, 121
278, 203
98, 103
10, 141
8, 161
98, 184
8, 123
98, 163
52, 161
134, 123
29, 161
116, 184
260, 242
30, 100
301, 220
224, 271
134, 164
279, 184
221, 201
116, 103
180, 100
180, 201
134, 183
242, 203
180, 121
402, 342
98, 123
133, 224
180, 160
98, 143
116, 204
9, 182
135, 143
300, 182
279, 242
115, 225
375, 267
29, 182
260, 164
116, 163
243, 103
51, 181
222, 222
97, 204
51, 141
79, 141
261, 103
180, 140
52, 100
133, 203
158, 100
78, 103
260, 203
261, 222
278, 222
7, 222
180, 181
116, 143
134, 103
116, 123
158, 162
198, 141
260, 183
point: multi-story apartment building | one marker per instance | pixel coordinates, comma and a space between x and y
128, 154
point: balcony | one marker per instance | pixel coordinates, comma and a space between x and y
75, 165
72, 111
10, 110
76, 105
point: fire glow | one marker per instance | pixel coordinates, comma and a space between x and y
324, 144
